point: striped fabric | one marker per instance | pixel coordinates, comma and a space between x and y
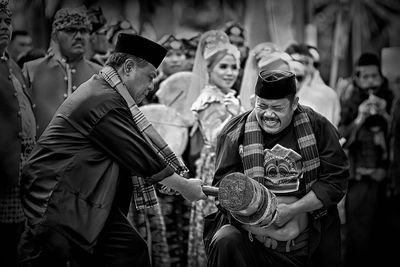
144, 196
253, 150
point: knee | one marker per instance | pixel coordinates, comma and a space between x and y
227, 237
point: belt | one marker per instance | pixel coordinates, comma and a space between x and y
299, 242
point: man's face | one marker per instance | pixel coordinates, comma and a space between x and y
174, 61
140, 81
274, 115
368, 77
20, 44
225, 72
72, 41
5, 30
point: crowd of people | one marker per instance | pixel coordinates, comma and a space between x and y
87, 180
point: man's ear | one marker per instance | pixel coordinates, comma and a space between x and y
295, 104
129, 66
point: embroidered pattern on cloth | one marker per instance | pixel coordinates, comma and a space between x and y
144, 195
283, 168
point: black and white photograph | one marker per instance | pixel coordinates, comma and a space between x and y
199, 133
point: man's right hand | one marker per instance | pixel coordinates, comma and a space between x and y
189, 188
193, 190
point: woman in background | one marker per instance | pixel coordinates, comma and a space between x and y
213, 108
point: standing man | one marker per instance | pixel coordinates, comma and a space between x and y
266, 144
17, 137
56, 76
97, 150
366, 104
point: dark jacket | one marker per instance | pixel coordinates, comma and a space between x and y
48, 78
324, 242
83, 158
10, 123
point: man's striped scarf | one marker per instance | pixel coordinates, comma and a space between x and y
144, 195
253, 149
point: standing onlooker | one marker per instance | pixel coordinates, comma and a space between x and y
364, 122
20, 43
56, 76
214, 107
17, 137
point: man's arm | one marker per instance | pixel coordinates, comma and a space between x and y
286, 212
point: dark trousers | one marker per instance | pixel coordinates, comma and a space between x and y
119, 245
233, 248
362, 217
9, 237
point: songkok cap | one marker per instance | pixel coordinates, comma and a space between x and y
275, 84
4, 8
96, 18
170, 42
141, 47
71, 18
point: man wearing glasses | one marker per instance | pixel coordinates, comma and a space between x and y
56, 76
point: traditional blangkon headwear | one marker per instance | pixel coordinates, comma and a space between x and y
267, 56
141, 47
275, 84
71, 18
4, 8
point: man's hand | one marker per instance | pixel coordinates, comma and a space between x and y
193, 190
285, 214
189, 188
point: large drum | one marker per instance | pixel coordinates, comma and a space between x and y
173, 92
169, 124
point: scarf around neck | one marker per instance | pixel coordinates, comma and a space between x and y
144, 195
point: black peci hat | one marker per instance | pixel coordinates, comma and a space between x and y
141, 47
275, 84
